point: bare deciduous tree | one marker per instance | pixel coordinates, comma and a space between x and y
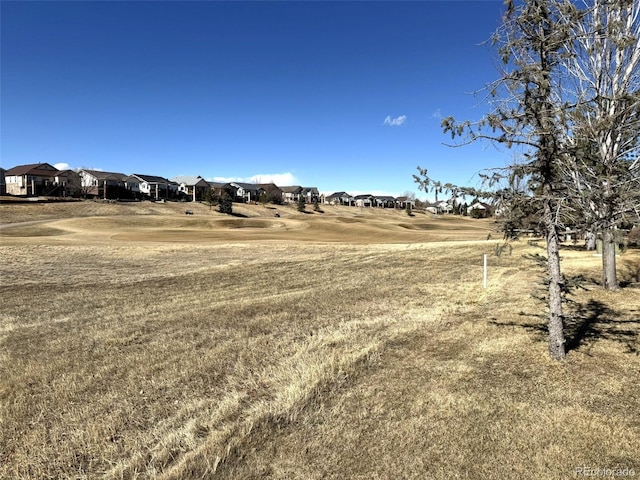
603, 76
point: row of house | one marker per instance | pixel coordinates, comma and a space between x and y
368, 200
43, 179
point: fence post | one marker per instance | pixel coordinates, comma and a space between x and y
485, 271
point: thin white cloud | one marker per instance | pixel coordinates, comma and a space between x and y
437, 114
283, 179
280, 179
395, 122
66, 166
96, 169
226, 179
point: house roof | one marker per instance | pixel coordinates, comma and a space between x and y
101, 175
189, 180
480, 206
338, 195
250, 187
291, 189
66, 172
151, 178
41, 169
268, 185
387, 198
361, 197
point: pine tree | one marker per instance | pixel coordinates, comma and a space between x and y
527, 111
301, 204
209, 197
225, 204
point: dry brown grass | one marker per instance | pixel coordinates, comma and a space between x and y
338, 345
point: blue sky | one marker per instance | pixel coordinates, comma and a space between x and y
337, 95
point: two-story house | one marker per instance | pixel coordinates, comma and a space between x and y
31, 180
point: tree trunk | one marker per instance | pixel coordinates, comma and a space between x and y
556, 319
609, 275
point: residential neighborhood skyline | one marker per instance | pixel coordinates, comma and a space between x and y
341, 95
43, 179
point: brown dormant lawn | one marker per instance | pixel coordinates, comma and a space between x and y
138, 342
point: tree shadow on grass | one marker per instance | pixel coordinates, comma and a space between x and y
576, 247
595, 320
585, 324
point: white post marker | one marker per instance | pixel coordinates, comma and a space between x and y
485, 271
